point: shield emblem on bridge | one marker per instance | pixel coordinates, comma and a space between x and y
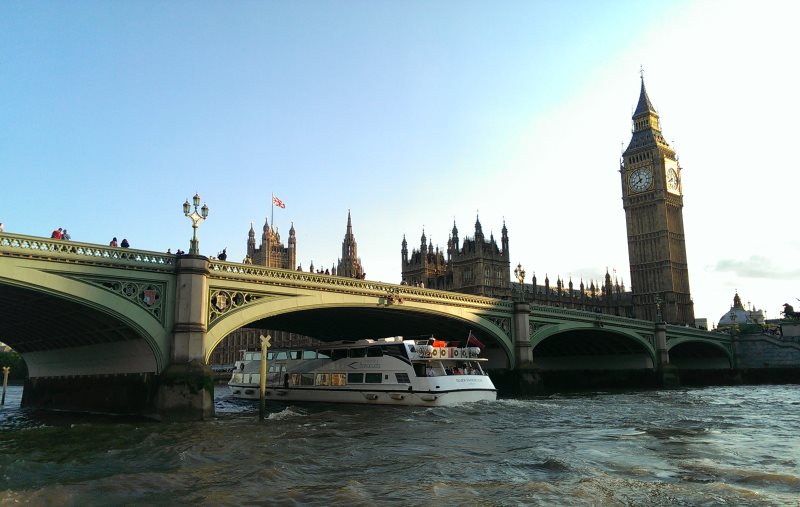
221, 301
149, 297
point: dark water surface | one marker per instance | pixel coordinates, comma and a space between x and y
709, 446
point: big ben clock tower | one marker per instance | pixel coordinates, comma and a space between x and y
652, 196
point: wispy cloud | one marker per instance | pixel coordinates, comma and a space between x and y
756, 267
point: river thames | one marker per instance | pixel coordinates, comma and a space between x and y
703, 446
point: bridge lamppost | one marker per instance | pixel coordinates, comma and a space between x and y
519, 272
659, 317
196, 218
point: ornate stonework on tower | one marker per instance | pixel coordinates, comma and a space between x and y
652, 196
272, 253
478, 267
350, 263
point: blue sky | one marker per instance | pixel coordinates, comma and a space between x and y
410, 115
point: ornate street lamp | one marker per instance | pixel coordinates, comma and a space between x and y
659, 317
195, 217
519, 272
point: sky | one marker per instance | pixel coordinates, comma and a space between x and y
409, 115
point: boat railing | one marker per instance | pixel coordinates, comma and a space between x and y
429, 352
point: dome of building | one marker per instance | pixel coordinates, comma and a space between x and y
738, 315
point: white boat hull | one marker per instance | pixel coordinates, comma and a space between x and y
370, 397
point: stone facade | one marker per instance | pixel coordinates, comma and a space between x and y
479, 266
762, 351
609, 298
271, 252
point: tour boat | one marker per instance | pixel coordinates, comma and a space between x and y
386, 371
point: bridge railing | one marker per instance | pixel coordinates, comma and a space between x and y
585, 315
397, 293
67, 250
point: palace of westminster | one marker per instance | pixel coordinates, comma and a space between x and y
650, 179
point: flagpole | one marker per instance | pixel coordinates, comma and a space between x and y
272, 215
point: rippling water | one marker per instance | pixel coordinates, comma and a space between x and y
711, 446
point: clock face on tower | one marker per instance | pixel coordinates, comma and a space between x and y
672, 180
640, 179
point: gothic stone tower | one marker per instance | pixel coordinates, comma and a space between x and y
272, 253
652, 197
350, 263
476, 266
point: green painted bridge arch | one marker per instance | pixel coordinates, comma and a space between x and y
587, 340
112, 308
335, 308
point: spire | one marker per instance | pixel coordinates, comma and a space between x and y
455, 231
646, 128
404, 243
349, 233
291, 231
644, 106
252, 233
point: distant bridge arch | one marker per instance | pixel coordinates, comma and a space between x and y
690, 353
583, 345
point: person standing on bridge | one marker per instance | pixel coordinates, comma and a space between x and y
56, 234
113, 241
65, 236
1, 226
124, 243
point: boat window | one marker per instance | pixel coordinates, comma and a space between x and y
338, 354
252, 356
338, 379
280, 355
372, 378
272, 368
355, 378
309, 354
295, 379
374, 352
294, 354
323, 379
324, 354
358, 352
394, 350
402, 378
306, 379
270, 356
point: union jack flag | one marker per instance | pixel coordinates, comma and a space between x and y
472, 340
277, 202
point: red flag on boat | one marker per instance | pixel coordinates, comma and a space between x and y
277, 202
472, 340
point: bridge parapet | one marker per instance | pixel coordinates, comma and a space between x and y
569, 314
340, 284
18, 245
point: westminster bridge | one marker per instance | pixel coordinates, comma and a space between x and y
131, 331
